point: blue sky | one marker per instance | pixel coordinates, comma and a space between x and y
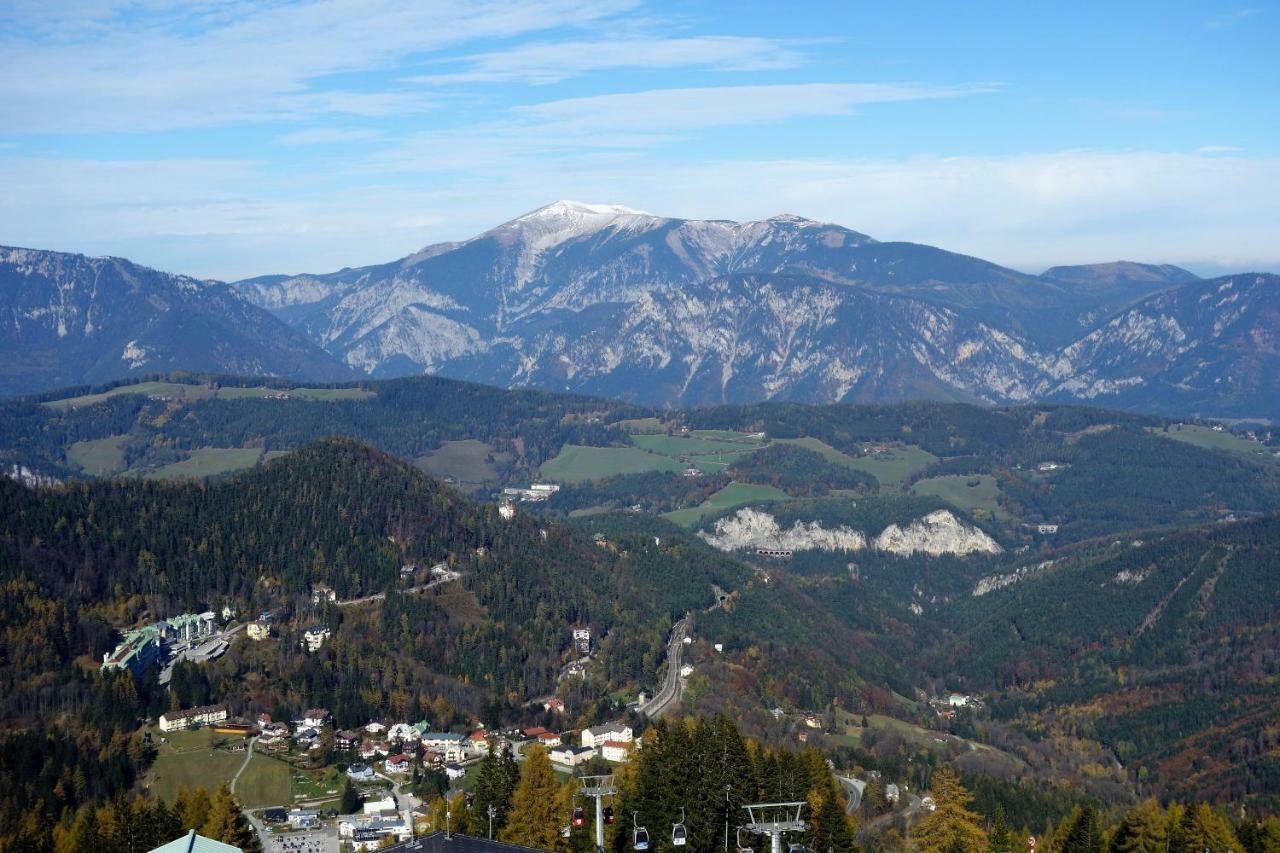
228, 139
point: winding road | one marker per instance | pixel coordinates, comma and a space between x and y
447, 577
672, 684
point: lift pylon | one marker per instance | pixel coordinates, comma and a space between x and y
774, 820
598, 787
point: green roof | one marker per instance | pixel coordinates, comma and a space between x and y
192, 843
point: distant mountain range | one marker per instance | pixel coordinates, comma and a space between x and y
69, 319
606, 300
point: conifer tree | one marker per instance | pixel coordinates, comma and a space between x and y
538, 807
1000, 840
1084, 832
192, 807
350, 800
1208, 829
1142, 830
951, 820
227, 823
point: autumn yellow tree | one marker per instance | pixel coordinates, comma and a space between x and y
539, 807
951, 825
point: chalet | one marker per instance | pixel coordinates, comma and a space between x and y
314, 637
812, 720
361, 773
595, 736
375, 728
549, 739
454, 771
346, 739
371, 749
431, 758
399, 764
616, 751
176, 721
306, 737
555, 704
478, 740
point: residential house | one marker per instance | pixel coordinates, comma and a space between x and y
401, 733
313, 638
375, 728
303, 819
572, 756
346, 739
533, 732
400, 763
258, 630
454, 771
616, 750
382, 805
555, 704
316, 718
595, 736
892, 792
812, 720
371, 749
176, 721
451, 746
549, 739
361, 773
322, 594
305, 736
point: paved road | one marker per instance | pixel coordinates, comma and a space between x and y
853, 789
672, 685
448, 577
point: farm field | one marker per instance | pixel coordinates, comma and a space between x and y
893, 466
166, 389
732, 495
100, 457
828, 452
188, 759
180, 391
208, 461
1207, 437
969, 493
577, 463
463, 460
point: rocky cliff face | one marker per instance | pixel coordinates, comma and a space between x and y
937, 533
607, 300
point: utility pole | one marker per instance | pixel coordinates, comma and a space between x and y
598, 787
492, 812
726, 817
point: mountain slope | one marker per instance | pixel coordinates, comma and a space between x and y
72, 319
609, 300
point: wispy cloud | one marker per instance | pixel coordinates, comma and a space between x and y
551, 62
121, 66
1230, 19
326, 136
1218, 149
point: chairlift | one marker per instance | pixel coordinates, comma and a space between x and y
639, 835
796, 848
608, 815
579, 816
679, 835
741, 848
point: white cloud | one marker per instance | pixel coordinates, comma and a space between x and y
1218, 149
552, 62
1230, 19
123, 66
327, 135
231, 219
